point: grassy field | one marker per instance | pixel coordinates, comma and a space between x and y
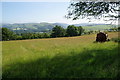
69, 57
98, 27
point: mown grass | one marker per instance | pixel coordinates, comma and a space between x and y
73, 57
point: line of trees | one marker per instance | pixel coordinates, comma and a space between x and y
71, 30
57, 31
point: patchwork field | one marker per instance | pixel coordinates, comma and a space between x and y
68, 57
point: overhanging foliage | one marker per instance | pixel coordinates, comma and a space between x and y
93, 9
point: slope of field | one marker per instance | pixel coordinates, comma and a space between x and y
98, 27
72, 57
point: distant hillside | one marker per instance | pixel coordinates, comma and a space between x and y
29, 27
47, 27
61, 24
98, 27
89, 24
94, 26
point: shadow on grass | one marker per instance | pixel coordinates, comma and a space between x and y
88, 64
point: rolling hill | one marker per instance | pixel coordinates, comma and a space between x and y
47, 27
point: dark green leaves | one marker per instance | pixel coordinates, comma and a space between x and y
93, 9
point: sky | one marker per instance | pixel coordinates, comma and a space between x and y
35, 12
35, 0
0, 12
20, 12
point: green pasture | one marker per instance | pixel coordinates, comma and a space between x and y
68, 57
98, 27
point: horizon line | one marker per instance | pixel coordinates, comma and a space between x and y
70, 23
